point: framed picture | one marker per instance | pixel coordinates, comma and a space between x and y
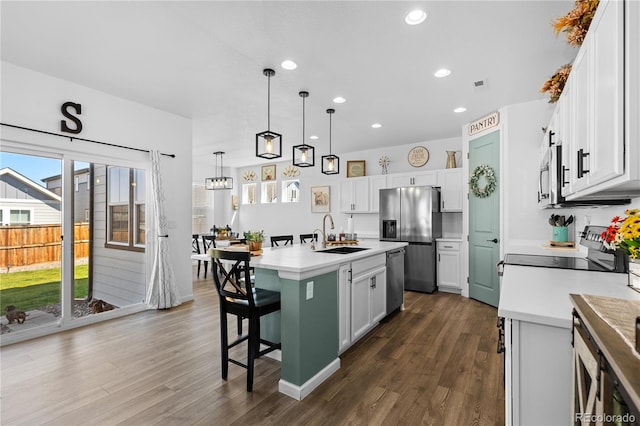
269, 172
320, 199
356, 168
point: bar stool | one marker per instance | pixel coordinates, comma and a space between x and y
240, 299
286, 239
307, 238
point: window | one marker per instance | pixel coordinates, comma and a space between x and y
126, 224
249, 193
139, 192
20, 217
269, 192
290, 191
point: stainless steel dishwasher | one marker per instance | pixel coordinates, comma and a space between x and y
395, 279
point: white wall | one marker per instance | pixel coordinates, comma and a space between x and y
32, 99
296, 218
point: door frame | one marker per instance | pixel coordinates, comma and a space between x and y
466, 139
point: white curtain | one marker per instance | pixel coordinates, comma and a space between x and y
162, 292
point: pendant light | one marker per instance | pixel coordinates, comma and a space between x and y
303, 155
268, 143
330, 163
218, 181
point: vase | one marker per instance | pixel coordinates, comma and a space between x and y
634, 274
255, 245
451, 160
560, 234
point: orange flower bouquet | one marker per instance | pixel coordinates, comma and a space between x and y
576, 23
556, 83
624, 234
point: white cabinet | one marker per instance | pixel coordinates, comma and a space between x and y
450, 190
376, 183
410, 179
449, 267
354, 195
563, 131
537, 373
344, 307
362, 298
599, 154
368, 301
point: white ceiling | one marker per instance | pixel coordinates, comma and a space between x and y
204, 60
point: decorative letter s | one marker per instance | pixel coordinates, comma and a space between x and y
63, 124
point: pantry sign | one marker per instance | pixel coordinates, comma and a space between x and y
484, 123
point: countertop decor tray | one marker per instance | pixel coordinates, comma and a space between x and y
343, 243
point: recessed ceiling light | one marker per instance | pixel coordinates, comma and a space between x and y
460, 109
376, 125
289, 65
442, 73
415, 17
339, 100
314, 137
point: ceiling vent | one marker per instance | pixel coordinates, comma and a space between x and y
480, 84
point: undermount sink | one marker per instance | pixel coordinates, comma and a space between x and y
343, 250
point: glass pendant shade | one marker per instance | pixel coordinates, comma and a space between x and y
218, 181
330, 163
268, 143
304, 155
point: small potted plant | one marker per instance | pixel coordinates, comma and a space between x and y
254, 239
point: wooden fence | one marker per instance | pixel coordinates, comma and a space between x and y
31, 244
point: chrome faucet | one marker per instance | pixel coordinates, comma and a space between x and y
324, 233
313, 240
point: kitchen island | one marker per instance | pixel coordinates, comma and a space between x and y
307, 324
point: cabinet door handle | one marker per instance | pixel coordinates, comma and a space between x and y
565, 171
581, 157
447, 246
438, 257
551, 135
350, 276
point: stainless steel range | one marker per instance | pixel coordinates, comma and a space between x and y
599, 258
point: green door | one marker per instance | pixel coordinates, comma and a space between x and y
484, 221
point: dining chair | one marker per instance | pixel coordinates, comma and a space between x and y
285, 239
307, 238
208, 242
196, 254
240, 298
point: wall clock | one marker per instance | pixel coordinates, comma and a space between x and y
418, 156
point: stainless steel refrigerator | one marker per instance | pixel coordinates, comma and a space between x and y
412, 214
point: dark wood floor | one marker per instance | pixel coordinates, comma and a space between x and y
435, 363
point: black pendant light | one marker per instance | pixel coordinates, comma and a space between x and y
268, 143
330, 163
218, 181
303, 155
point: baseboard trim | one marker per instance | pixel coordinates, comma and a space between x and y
300, 392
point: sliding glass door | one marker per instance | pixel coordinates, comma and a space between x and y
30, 241
103, 219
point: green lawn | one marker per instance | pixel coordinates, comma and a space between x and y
28, 290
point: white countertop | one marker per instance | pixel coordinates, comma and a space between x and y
541, 295
299, 261
449, 239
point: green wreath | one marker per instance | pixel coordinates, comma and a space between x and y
489, 175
